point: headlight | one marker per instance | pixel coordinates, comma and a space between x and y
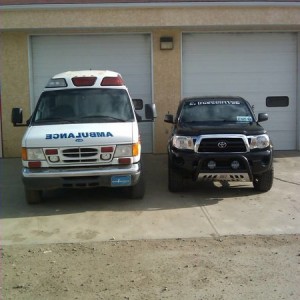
259, 141
183, 142
123, 150
33, 154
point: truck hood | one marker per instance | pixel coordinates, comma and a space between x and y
195, 129
77, 135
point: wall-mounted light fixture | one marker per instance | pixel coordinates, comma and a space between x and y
166, 43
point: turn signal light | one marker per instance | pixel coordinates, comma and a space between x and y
34, 164
124, 160
136, 149
24, 154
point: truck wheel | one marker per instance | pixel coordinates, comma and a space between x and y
33, 196
137, 191
175, 180
264, 182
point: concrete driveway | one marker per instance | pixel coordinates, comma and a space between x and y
67, 216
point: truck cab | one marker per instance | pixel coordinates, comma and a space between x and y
83, 133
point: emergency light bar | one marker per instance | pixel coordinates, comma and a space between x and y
112, 81
56, 83
84, 81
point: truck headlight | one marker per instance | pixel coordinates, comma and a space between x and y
123, 150
183, 142
33, 154
259, 141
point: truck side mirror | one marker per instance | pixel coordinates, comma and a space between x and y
262, 117
150, 111
17, 116
169, 118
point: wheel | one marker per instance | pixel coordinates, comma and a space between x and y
264, 182
175, 180
33, 196
137, 191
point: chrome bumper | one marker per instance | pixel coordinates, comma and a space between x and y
76, 172
108, 176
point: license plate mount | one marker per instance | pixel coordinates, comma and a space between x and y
121, 180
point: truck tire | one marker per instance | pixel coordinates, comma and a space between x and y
175, 180
137, 191
264, 182
33, 196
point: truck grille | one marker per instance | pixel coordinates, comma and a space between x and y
83, 155
222, 145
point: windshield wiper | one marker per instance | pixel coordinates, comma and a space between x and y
104, 117
54, 120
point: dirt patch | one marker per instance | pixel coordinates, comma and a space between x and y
233, 267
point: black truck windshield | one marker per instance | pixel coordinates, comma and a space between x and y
83, 106
215, 111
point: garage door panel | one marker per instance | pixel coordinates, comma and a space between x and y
250, 65
248, 42
226, 64
253, 84
128, 54
282, 137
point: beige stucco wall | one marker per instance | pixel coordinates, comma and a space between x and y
185, 16
17, 25
15, 88
166, 85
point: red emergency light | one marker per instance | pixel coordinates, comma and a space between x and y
107, 149
51, 152
84, 81
112, 81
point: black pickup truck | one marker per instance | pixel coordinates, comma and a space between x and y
219, 139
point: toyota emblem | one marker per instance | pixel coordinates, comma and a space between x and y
222, 144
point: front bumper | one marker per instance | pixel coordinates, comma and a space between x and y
108, 176
195, 165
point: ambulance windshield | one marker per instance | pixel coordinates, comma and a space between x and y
83, 106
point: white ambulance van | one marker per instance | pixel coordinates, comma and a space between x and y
83, 133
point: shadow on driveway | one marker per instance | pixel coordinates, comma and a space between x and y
64, 201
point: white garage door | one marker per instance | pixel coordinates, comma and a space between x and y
127, 54
251, 65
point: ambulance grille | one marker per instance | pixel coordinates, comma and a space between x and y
83, 155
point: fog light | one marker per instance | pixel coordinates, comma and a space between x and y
235, 165
105, 156
211, 164
54, 159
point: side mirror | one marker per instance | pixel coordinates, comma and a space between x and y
138, 104
262, 117
17, 116
150, 111
169, 119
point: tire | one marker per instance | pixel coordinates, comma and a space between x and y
33, 196
264, 182
175, 180
137, 191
